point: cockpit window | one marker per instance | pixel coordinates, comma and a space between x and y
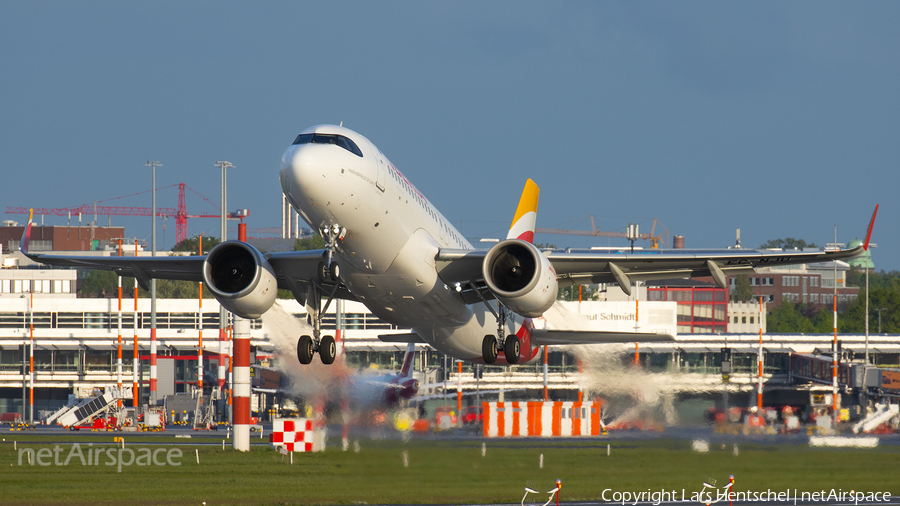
339, 140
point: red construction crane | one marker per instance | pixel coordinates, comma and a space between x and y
180, 213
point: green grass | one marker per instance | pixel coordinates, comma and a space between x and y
451, 471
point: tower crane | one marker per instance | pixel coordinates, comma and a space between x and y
180, 213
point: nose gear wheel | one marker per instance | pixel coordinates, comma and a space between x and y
328, 273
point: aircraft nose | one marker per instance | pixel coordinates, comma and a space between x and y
302, 169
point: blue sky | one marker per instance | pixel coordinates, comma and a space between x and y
778, 118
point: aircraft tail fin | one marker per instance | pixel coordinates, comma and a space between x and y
26, 234
408, 359
523, 223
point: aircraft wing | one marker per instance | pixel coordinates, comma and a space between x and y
189, 268
561, 337
576, 268
582, 268
293, 269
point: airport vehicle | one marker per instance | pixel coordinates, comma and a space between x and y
389, 248
473, 415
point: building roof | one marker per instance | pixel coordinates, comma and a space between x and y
680, 283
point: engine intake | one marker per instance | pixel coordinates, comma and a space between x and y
520, 277
240, 278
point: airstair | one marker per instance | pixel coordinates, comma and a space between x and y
882, 413
73, 401
85, 410
204, 415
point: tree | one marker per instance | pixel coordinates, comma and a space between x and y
105, 284
743, 291
877, 280
306, 244
853, 318
788, 317
788, 243
192, 244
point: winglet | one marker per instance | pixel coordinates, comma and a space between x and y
869, 232
26, 234
526, 214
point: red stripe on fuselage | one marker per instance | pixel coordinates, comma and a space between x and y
528, 352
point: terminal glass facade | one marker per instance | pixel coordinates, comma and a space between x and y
701, 310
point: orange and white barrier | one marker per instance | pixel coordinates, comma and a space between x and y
295, 434
543, 419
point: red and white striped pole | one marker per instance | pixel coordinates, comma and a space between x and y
834, 366
31, 360
136, 366
223, 359
546, 392
759, 392
119, 343
200, 345
241, 385
231, 367
637, 357
153, 398
459, 393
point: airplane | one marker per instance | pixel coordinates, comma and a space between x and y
389, 389
389, 248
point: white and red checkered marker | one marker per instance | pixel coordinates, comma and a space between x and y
295, 434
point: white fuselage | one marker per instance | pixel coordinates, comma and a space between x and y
387, 257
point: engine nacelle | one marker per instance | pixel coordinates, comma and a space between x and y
240, 278
520, 277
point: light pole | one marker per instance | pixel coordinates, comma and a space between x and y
835, 246
879, 319
868, 259
153, 165
223, 314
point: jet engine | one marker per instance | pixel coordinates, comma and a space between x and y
520, 277
240, 278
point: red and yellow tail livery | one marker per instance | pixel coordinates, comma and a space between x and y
523, 223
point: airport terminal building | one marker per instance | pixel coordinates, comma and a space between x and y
75, 343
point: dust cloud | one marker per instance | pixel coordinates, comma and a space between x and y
633, 396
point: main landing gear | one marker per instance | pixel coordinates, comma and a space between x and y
491, 344
329, 273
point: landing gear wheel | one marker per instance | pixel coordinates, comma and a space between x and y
335, 272
327, 350
305, 350
322, 271
511, 349
489, 349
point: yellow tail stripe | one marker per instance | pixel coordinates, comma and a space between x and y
529, 201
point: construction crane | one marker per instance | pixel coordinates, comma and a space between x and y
655, 240
180, 213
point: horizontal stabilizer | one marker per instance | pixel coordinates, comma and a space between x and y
560, 337
412, 337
